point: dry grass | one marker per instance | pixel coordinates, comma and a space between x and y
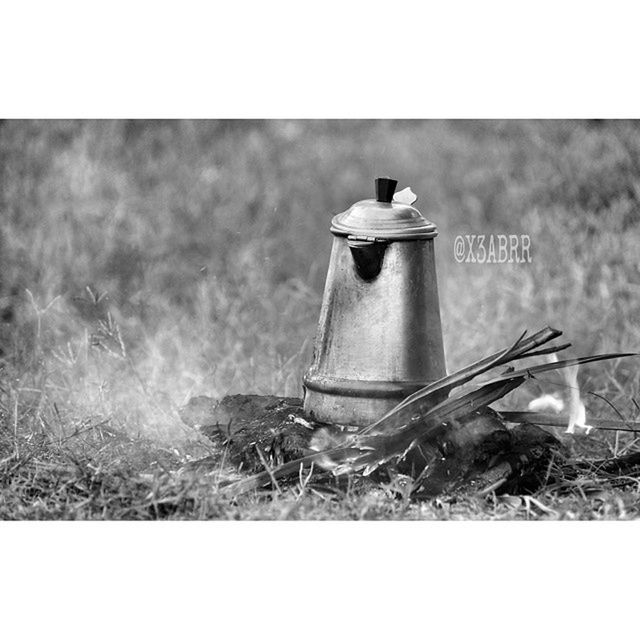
145, 262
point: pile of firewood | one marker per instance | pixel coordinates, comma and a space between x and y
432, 444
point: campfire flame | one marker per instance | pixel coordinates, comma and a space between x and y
577, 410
553, 402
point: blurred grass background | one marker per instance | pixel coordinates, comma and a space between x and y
144, 262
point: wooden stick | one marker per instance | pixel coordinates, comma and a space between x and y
561, 420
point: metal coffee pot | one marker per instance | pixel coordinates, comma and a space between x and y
379, 336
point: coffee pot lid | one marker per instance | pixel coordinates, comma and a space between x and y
385, 218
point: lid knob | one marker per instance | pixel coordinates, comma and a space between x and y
385, 188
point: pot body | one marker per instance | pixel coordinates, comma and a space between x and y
379, 339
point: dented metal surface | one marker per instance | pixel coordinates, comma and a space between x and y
379, 335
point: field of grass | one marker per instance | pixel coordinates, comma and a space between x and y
146, 262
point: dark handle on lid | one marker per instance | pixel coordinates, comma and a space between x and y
385, 188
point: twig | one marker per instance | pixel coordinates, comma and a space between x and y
613, 406
560, 420
268, 470
537, 503
492, 487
